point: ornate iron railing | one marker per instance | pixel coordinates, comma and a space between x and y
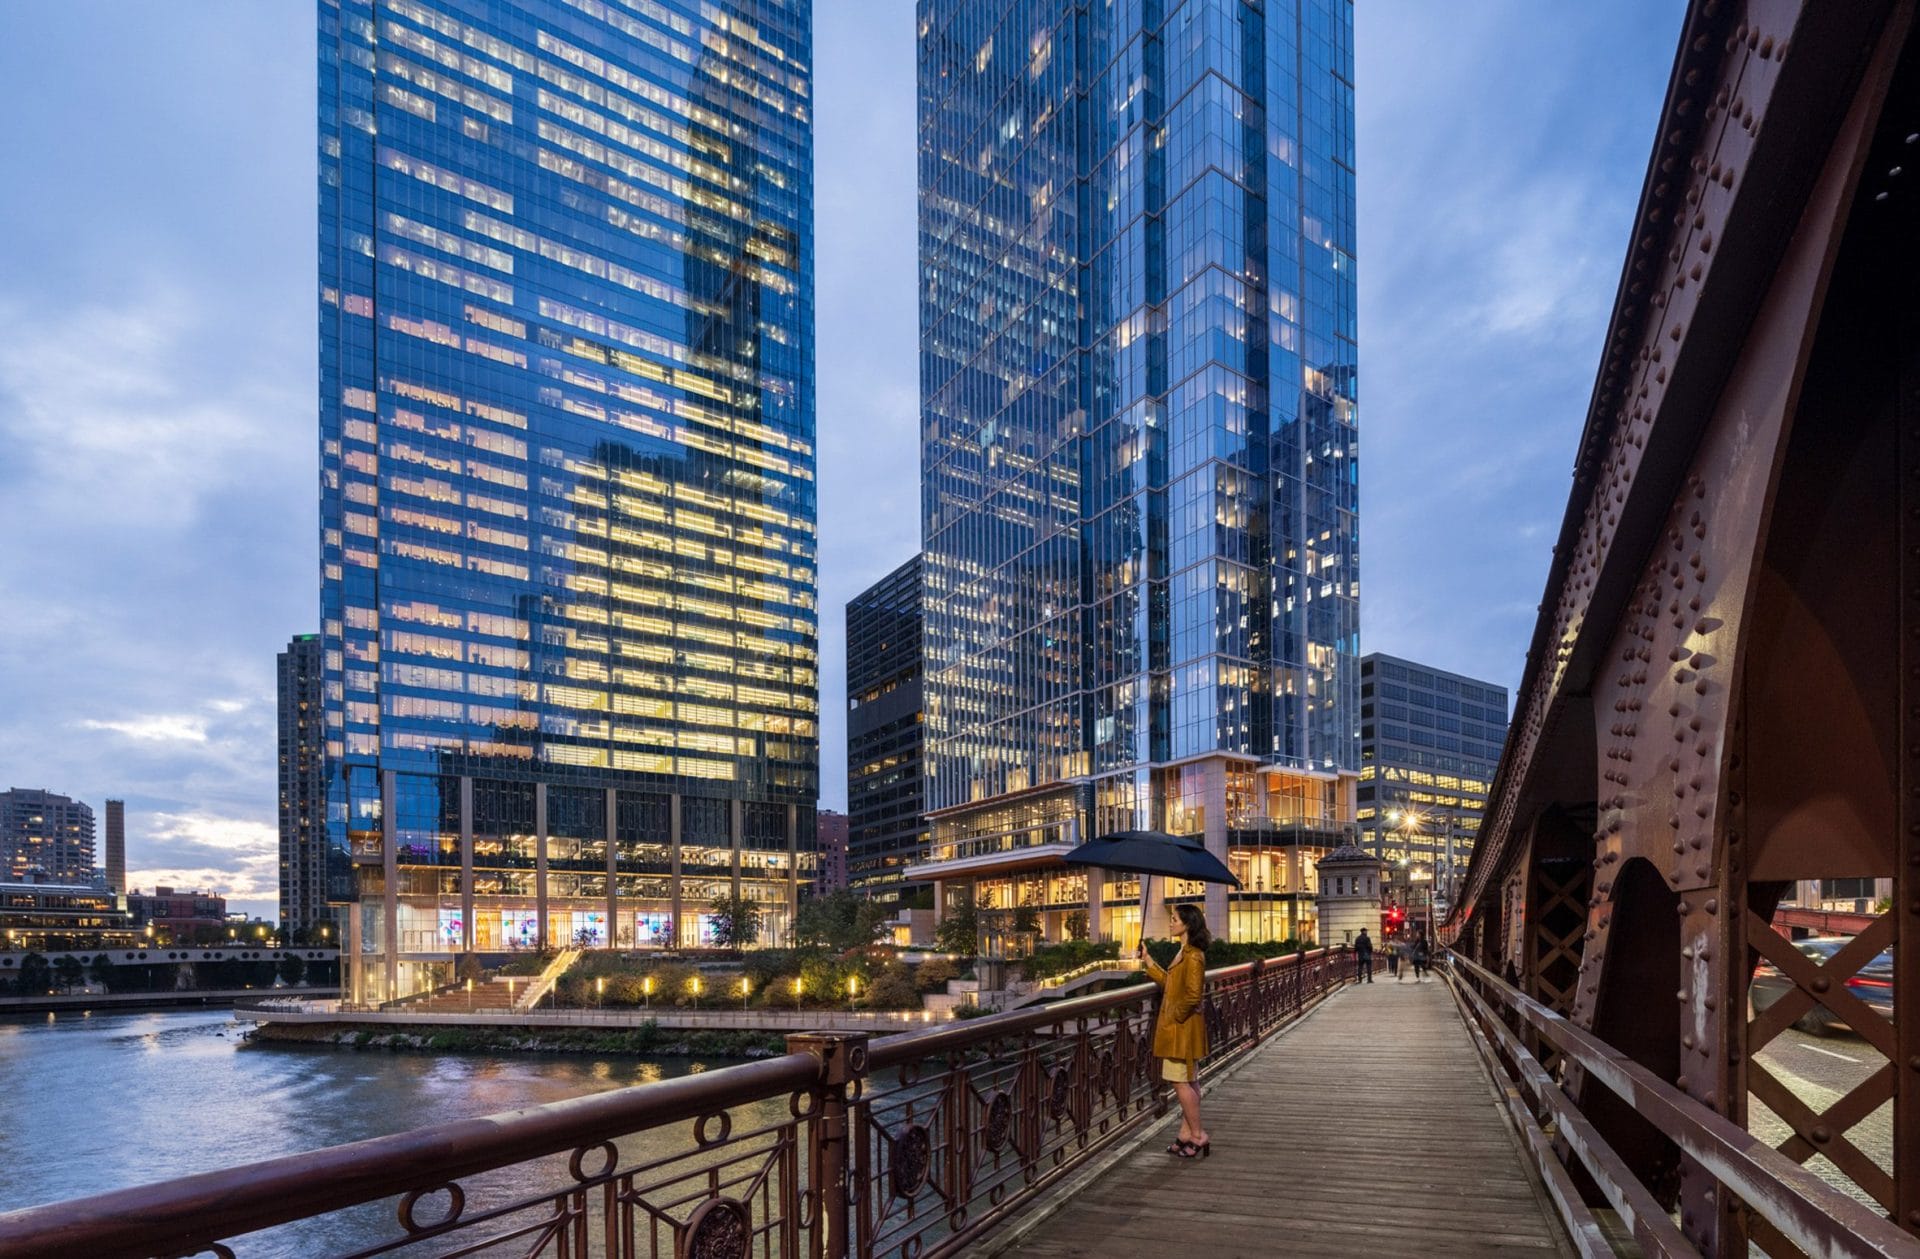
1804, 1211
910, 1145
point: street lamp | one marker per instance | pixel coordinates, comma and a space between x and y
853, 990
600, 991
799, 986
745, 988
646, 988
696, 992
469, 995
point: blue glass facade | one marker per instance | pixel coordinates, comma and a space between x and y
1139, 431
568, 507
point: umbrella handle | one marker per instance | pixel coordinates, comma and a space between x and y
1146, 885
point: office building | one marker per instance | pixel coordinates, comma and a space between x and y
115, 869
45, 834
303, 789
569, 623
1138, 372
831, 844
886, 733
1429, 743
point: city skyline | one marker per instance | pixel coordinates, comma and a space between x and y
168, 700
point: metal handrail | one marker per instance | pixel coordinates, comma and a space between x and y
194, 1213
1810, 1213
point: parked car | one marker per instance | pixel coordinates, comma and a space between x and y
1873, 984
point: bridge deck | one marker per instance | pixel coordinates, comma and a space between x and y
1370, 1129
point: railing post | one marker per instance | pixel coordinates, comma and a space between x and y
843, 1063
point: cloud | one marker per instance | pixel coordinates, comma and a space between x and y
162, 729
236, 857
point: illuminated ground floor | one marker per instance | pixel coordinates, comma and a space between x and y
447, 865
1269, 826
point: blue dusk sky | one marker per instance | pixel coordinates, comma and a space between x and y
158, 436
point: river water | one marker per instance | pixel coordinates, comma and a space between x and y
108, 1101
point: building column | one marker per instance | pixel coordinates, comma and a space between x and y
1097, 932
736, 837
793, 871
540, 861
1215, 838
466, 864
613, 867
673, 838
390, 897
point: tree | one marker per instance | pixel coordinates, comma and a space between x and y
102, 968
35, 975
934, 974
893, 989
960, 926
470, 970
736, 920
69, 970
1077, 925
838, 920
293, 968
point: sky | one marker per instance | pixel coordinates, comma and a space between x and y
158, 424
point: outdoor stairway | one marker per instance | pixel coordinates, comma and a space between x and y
1369, 1129
494, 997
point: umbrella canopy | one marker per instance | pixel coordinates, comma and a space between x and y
1153, 852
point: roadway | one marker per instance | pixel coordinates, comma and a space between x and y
1820, 1070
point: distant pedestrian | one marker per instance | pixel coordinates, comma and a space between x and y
1403, 960
1420, 958
1180, 1033
1363, 958
1393, 958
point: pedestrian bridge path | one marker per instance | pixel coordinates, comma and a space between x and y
1371, 1128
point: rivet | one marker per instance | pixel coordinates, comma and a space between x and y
1821, 1133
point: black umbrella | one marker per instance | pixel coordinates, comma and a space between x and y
1147, 853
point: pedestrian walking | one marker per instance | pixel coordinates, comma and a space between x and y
1363, 958
1420, 957
1404, 953
1393, 959
1180, 1034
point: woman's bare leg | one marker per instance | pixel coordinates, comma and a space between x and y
1190, 1129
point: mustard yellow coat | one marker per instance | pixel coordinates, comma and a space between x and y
1181, 1032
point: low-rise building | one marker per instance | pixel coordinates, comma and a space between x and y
179, 916
40, 914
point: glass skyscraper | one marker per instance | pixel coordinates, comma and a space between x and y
567, 504
1138, 374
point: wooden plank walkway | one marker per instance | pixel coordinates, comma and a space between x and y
1369, 1129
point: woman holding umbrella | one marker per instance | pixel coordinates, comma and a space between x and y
1180, 1035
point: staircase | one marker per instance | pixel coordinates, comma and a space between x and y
543, 984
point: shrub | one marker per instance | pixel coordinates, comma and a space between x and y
1056, 959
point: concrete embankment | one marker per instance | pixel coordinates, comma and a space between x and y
645, 1040
116, 1002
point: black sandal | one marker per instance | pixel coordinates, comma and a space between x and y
1182, 1148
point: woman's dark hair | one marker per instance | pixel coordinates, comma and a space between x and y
1197, 934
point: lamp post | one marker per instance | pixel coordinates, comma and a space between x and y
853, 990
600, 991
745, 988
799, 986
646, 989
696, 992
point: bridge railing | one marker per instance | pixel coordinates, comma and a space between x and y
1804, 1210
846, 1146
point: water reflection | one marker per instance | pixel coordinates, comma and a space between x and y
110, 1101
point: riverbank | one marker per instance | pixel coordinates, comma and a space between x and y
177, 999
647, 1040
